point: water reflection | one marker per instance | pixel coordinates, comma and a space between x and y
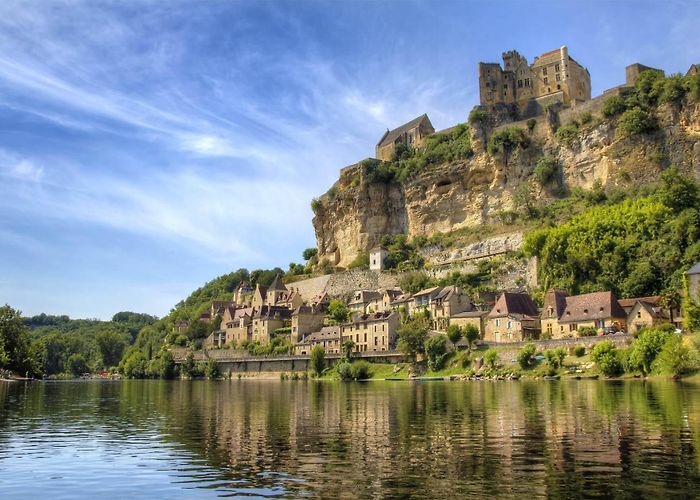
382, 439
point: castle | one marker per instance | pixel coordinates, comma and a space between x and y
554, 77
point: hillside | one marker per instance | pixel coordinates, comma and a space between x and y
489, 173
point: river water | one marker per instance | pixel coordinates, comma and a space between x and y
291, 439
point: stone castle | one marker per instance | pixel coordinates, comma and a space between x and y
554, 77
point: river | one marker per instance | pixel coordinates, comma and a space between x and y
291, 439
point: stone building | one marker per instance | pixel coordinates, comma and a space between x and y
633, 71
449, 301
306, 320
328, 337
514, 318
372, 332
475, 318
646, 313
563, 315
266, 320
411, 134
376, 258
366, 301
553, 77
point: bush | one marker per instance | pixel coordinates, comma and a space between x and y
567, 134
317, 361
586, 118
605, 356
344, 370
471, 333
587, 331
436, 351
675, 358
211, 369
316, 205
579, 351
647, 347
613, 106
636, 121
491, 358
360, 370
77, 365
412, 337
506, 140
309, 252
545, 168
526, 356
531, 123
477, 115
454, 333
555, 357
361, 261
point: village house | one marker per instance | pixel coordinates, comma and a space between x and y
366, 301
243, 293
180, 326
411, 134
267, 320
646, 312
514, 318
592, 310
476, 318
692, 277
328, 337
376, 258
554, 307
259, 296
450, 300
372, 332
389, 296
306, 320
421, 300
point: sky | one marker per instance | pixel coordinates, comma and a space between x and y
147, 147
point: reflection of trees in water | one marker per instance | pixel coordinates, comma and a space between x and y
556, 439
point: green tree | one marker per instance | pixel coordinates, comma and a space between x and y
647, 347
677, 191
211, 369
309, 252
555, 357
454, 333
348, 346
188, 367
338, 311
15, 342
675, 358
491, 358
526, 355
412, 336
545, 168
636, 121
77, 365
111, 345
471, 333
436, 351
613, 106
604, 354
135, 365
317, 360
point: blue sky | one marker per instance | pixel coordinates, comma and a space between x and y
147, 147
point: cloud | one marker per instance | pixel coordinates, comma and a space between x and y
22, 169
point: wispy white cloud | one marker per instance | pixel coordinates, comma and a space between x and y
22, 169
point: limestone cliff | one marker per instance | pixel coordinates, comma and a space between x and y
355, 214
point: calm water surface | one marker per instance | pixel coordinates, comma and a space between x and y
158, 439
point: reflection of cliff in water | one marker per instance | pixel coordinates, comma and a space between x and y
559, 439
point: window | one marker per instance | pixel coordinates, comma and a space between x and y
558, 78
520, 84
544, 72
558, 87
556, 67
639, 314
498, 322
546, 80
527, 82
549, 328
510, 325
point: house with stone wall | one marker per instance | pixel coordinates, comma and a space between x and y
327, 337
372, 332
411, 135
514, 318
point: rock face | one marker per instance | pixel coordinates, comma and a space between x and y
354, 215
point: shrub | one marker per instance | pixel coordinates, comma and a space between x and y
211, 369
309, 252
477, 115
316, 205
613, 106
545, 168
360, 370
526, 355
454, 333
586, 118
317, 361
506, 140
555, 357
605, 356
671, 89
491, 358
471, 333
636, 121
531, 123
692, 86
344, 370
587, 331
361, 261
412, 336
567, 134
647, 347
436, 351
579, 351
675, 358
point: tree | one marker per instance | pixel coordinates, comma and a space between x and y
605, 355
317, 360
309, 252
545, 168
526, 355
348, 346
454, 333
471, 333
648, 346
412, 337
111, 345
77, 365
188, 367
16, 345
677, 191
338, 312
555, 357
166, 365
491, 358
197, 330
211, 369
436, 351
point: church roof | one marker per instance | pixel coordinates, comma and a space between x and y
391, 135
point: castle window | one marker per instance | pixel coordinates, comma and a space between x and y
558, 87
556, 67
544, 72
520, 84
558, 78
527, 82
546, 81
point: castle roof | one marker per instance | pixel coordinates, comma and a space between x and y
391, 135
277, 285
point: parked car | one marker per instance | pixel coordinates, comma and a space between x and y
609, 330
